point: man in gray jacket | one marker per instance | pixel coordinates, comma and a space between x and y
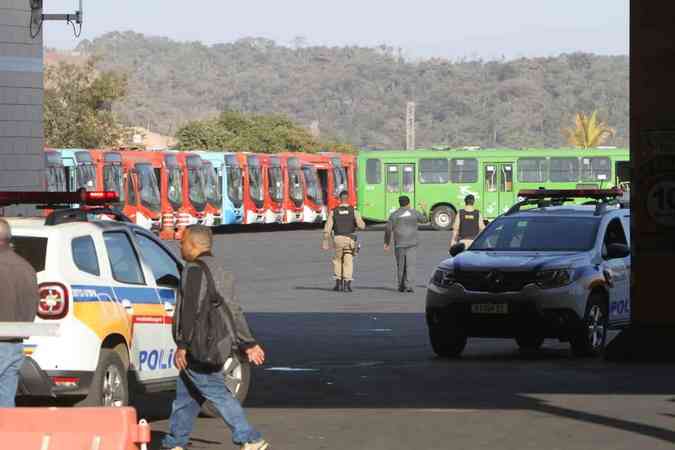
198, 382
18, 303
403, 227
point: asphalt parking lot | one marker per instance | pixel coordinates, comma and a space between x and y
355, 371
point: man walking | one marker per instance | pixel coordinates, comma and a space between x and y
341, 225
197, 381
403, 227
18, 303
468, 223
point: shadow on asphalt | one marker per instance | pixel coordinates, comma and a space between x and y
367, 288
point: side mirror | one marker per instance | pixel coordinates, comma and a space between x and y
617, 251
169, 281
457, 249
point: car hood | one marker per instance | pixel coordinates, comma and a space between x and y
514, 261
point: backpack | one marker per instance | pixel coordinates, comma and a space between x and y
213, 339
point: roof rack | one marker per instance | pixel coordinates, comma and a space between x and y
543, 198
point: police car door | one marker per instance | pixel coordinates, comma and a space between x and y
154, 340
617, 274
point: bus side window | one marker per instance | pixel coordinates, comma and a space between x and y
490, 179
373, 171
464, 170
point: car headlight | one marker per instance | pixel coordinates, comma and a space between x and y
549, 279
443, 278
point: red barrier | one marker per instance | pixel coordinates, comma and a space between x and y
72, 429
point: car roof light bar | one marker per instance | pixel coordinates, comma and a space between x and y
83, 197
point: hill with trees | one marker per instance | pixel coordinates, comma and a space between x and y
358, 95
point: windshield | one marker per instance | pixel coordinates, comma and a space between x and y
211, 185
113, 180
196, 188
234, 186
276, 184
296, 190
86, 177
255, 185
340, 176
147, 186
175, 183
552, 234
312, 180
56, 179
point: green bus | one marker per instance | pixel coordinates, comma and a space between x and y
441, 179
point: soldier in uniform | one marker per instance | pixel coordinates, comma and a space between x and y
341, 226
468, 223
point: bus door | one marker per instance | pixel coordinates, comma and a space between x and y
400, 180
498, 195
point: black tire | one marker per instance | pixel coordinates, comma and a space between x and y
591, 338
446, 344
529, 343
238, 386
442, 218
110, 385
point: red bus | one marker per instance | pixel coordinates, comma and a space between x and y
275, 187
344, 174
294, 188
143, 203
56, 179
318, 187
254, 191
194, 197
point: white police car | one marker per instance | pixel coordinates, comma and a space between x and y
551, 271
111, 288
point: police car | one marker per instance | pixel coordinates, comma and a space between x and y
111, 288
542, 270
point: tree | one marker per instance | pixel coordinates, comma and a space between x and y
588, 132
78, 106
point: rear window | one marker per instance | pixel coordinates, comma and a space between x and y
85, 256
32, 249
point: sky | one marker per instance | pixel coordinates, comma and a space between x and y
453, 29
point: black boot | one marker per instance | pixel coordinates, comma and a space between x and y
338, 286
348, 286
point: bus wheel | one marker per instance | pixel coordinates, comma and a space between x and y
442, 218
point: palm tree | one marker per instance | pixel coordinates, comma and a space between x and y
588, 132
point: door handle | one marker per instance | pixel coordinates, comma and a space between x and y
168, 307
128, 306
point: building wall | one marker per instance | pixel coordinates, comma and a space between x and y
21, 95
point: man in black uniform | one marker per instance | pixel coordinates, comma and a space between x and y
468, 223
341, 226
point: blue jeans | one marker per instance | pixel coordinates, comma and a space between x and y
192, 389
11, 358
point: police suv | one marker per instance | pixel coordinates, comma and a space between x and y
542, 270
111, 288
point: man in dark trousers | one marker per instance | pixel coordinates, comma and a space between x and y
198, 382
403, 227
18, 303
468, 223
341, 226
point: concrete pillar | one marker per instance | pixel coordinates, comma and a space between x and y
21, 94
652, 73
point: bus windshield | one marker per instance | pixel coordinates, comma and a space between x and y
86, 177
56, 179
313, 189
175, 183
196, 188
113, 180
212, 188
276, 184
296, 189
148, 187
234, 186
255, 185
340, 176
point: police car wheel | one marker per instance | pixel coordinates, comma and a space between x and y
591, 338
446, 344
110, 385
237, 373
442, 218
529, 342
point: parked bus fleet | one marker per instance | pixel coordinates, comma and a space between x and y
166, 191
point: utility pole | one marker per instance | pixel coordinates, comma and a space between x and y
410, 126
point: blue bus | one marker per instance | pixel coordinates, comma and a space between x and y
227, 171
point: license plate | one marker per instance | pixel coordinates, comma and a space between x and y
490, 308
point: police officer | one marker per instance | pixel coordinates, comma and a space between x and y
468, 223
402, 228
341, 225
